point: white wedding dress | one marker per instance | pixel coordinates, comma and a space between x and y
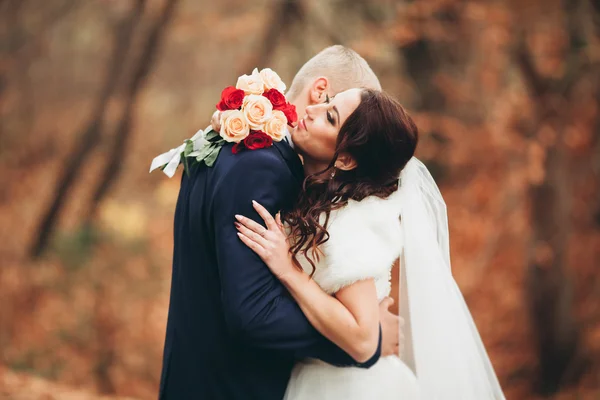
444, 357
365, 240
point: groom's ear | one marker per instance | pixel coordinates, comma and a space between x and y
345, 162
317, 91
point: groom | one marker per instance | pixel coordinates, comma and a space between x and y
233, 331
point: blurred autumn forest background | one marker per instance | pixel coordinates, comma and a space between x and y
506, 95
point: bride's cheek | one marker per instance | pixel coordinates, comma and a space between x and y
304, 134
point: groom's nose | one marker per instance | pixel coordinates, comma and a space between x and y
310, 110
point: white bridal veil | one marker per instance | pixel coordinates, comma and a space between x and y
443, 345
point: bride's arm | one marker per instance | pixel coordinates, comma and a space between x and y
350, 319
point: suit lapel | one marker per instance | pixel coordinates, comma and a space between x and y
291, 158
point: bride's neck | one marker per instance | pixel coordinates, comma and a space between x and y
312, 167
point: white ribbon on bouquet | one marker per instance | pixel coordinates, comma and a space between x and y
172, 158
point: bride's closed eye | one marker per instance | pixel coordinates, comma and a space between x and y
329, 115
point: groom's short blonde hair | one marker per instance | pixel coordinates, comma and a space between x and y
343, 67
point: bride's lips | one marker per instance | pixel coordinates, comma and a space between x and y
303, 124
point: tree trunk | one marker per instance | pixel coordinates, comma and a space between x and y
422, 66
123, 132
283, 16
549, 289
91, 133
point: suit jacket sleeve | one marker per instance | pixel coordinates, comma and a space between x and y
258, 309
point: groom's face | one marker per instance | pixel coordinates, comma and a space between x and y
315, 137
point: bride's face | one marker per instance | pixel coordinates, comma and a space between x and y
316, 134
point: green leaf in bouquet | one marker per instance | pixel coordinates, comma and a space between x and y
204, 151
213, 136
189, 147
186, 164
212, 157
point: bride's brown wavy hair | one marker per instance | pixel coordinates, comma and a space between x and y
381, 137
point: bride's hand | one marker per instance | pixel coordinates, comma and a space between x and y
269, 243
215, 121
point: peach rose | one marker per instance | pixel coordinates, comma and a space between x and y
276, 127
234, 126
258, 110
271, 80
251, 84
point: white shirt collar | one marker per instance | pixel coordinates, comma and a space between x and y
288, 136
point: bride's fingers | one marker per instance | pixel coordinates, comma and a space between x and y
278, 221
255, 237
251, 224
260, 251
265, 215
215, 121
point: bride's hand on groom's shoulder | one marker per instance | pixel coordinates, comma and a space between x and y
270, 243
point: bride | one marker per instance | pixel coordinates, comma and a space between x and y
367, 202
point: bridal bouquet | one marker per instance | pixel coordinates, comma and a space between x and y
252, 115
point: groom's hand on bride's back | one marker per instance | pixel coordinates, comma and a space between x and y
392, 339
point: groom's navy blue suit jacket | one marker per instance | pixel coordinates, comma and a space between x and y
233, 331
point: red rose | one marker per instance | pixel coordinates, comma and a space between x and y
237, 147
258, 140
276, 98
290, 113
231, 99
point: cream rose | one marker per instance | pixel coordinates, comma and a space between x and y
276, 127
251, 84
257, 110
271, 80
234, 126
